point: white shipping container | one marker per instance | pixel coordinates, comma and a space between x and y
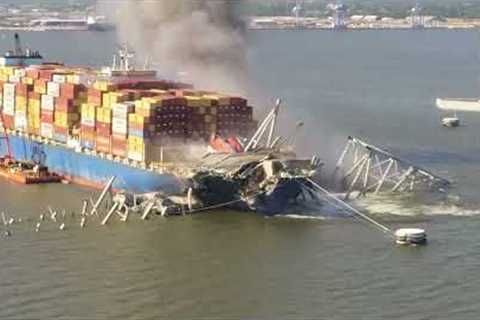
9, 95
9, 89
46, 130
48, 102
15, 79
59, 78
20, 72
119, 125
21, 122
9, 111
9, 106
121, 110
9, 99
53, 89
20, 114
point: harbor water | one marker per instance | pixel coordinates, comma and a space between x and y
379, 85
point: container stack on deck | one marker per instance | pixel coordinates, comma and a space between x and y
119, 116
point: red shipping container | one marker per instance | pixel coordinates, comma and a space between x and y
87, 129
238, 101
47, 116
103, 144
8, 121
46, 74
94, 100
22, 89
119, 136
60, 130
94, 93
65, 105
119, 146
104, 129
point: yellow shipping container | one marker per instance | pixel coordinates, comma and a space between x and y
27, 80
103, 86
88, 110
33, 120
65, 120
117, 97
4, 77
106, 100
20, 103
104, 115
39, 88
10, 71
33, 103
137, 119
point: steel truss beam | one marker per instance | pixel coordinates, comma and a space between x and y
368, 168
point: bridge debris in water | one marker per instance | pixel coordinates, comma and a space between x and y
367, 168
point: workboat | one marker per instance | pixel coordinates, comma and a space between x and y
451, 122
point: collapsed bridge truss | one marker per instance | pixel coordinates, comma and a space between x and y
366, 168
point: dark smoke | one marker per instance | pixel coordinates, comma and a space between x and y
202, 39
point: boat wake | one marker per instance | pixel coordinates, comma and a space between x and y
401, 206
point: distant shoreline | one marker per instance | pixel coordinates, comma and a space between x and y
359, 23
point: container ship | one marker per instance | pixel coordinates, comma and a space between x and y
89, 124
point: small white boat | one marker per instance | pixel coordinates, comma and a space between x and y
451, 122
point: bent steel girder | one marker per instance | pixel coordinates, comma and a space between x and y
369, 169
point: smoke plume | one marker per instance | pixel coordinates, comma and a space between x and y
200, 39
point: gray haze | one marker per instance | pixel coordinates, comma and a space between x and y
203, 40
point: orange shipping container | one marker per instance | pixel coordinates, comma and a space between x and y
70, 90
33, 73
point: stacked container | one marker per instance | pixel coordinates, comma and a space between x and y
103, 140
128, 118
87, 125
9, 94
120, 113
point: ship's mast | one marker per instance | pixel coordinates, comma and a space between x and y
125, 56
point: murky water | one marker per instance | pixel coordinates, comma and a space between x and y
379, 85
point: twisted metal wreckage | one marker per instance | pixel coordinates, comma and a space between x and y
268, 178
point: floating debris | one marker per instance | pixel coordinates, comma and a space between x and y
83, 221
62, 226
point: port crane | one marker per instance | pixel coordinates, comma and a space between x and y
416, 17
339, 15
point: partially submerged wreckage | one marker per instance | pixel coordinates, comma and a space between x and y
267, 177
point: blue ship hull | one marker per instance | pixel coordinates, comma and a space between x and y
89, 170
